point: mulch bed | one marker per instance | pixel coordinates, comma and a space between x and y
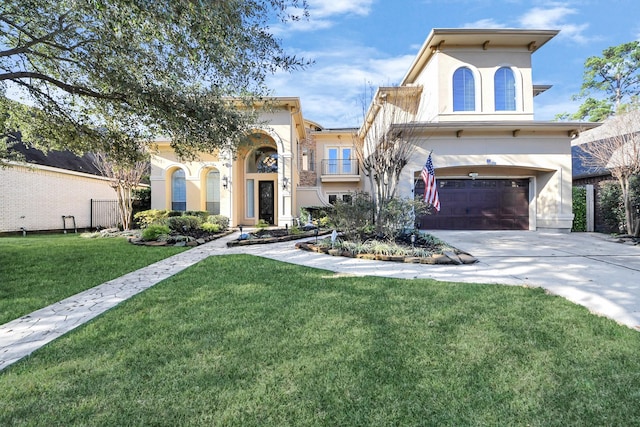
273, 236
447, 257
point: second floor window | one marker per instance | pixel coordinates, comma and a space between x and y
464, 90
339, 161
505, 89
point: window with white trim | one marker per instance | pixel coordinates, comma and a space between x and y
178, 191
464, 90
505, 89
213, 192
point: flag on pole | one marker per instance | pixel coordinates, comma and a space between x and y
430, 186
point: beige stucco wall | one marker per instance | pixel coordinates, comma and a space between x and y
279, 131
36, 197
437, 79
164, 162
318, 193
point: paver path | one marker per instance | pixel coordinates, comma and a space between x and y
26, 334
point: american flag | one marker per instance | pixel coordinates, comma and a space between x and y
430, 186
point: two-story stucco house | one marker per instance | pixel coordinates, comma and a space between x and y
497, 168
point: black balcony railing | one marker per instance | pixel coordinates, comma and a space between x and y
340, 167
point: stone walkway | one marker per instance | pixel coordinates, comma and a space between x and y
22, 336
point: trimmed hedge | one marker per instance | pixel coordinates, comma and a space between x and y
579, 209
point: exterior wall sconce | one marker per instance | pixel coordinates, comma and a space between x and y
225, 182
285, 183
473, 175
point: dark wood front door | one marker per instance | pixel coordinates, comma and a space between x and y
480, 204
265, 202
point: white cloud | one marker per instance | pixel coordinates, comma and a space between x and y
332, 90
323, 15
484, 23
555, 17
325, 8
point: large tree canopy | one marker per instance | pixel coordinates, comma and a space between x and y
109, 74
614, 78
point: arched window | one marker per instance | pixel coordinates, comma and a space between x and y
178, 191
505, 89
263, 160
213, 192
464, 90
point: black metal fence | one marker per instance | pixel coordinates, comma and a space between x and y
104, 213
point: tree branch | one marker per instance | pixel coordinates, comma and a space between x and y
69, 88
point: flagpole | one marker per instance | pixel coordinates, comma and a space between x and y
415, 181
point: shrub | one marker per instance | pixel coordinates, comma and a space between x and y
148, 217
262, 224
174, 213
209, 227
295, 230
611, 207
141, 199
203, 215
181, 224
579, 209
221, 220
353, 217
398, 215
153, 231
320, 214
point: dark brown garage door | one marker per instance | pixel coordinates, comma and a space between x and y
480, 204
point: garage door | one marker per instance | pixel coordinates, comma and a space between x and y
480, 204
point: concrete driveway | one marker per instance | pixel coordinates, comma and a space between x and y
589, 269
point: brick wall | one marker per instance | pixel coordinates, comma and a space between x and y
308, 178
37, 197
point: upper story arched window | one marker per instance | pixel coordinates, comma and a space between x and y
178, 191
505, 89
464, 90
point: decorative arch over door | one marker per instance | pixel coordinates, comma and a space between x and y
260, 178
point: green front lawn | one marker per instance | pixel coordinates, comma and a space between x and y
39, 270
244, 341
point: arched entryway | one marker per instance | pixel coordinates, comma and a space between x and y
260, 178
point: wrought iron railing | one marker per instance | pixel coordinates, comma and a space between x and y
340, 167
104, 213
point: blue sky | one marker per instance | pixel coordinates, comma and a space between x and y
356, 42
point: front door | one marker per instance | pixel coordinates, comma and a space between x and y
265, 202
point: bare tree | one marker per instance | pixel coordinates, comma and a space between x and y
124, 177
385, 142
616, 147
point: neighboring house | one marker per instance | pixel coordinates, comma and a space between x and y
497, 168
587, 174
590, 177
51, 191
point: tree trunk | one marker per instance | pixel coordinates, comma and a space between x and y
628, 209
